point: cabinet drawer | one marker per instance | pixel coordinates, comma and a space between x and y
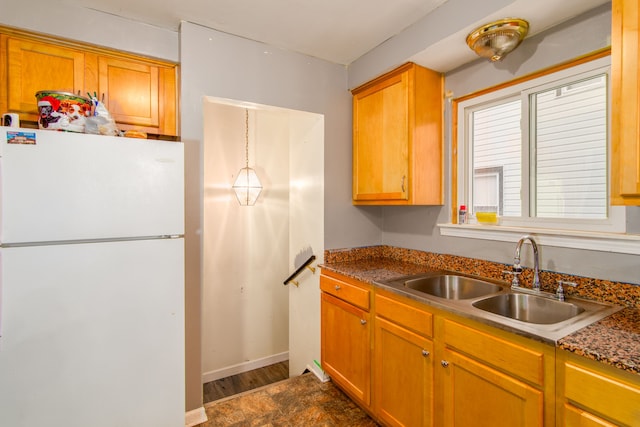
405, 315
352, 293
602, 394
577, 417
519, 361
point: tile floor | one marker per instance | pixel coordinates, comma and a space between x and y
299, 401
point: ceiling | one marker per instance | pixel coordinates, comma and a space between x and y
339, 31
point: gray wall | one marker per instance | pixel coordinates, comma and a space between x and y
239, 69
64, 19
415, 227
449, 18
224, 66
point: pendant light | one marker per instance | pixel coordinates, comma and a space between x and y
247, 185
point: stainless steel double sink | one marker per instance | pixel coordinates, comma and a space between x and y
539, 316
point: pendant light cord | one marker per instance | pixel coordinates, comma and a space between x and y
246, 136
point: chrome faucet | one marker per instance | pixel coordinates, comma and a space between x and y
560, 290
517, 268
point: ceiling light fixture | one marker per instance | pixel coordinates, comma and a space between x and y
493, 41
247, 185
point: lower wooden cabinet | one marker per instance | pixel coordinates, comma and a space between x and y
576, 417
593, 394
476, 394
403, 363
346, 340
488, 380
410, 364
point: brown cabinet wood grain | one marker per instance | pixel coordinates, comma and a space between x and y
499, 381
403, 363
130, 91
33, 66
346, 337
475, 391
418, 365
397, 138
139, 93
625, 110
595, 394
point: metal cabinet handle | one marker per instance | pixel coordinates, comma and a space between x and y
363, 322
444, 363
404, 177
337, 288
425, 353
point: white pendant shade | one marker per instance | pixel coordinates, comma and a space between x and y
247, 187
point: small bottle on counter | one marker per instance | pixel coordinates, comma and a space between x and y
462, 215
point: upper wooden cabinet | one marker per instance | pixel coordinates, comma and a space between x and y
34, 66
397, 138
140, 93
625, 79
130, 91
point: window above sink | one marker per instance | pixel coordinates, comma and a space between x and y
536, 151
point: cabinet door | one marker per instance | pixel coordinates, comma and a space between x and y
346, 348
601, 394
34, 66
130, 91
576, 417
403, 376
381, 141
478, 395
625, 79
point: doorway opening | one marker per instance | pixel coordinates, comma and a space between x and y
250, 320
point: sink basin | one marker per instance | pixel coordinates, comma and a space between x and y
529, 308
451, 286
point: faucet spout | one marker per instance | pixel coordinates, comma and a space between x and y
536, 260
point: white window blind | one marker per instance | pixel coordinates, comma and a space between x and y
570, 137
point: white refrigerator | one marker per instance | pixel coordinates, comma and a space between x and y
91, 280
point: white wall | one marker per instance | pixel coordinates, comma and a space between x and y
245, 307
306, 238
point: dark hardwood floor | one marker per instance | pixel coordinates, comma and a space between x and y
235, 384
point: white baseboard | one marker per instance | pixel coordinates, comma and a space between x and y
195, 417
244, 367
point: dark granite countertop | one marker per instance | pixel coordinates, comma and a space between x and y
614, 340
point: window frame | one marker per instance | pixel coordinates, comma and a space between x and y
581, 235
615, 221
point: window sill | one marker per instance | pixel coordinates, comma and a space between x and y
595, 241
